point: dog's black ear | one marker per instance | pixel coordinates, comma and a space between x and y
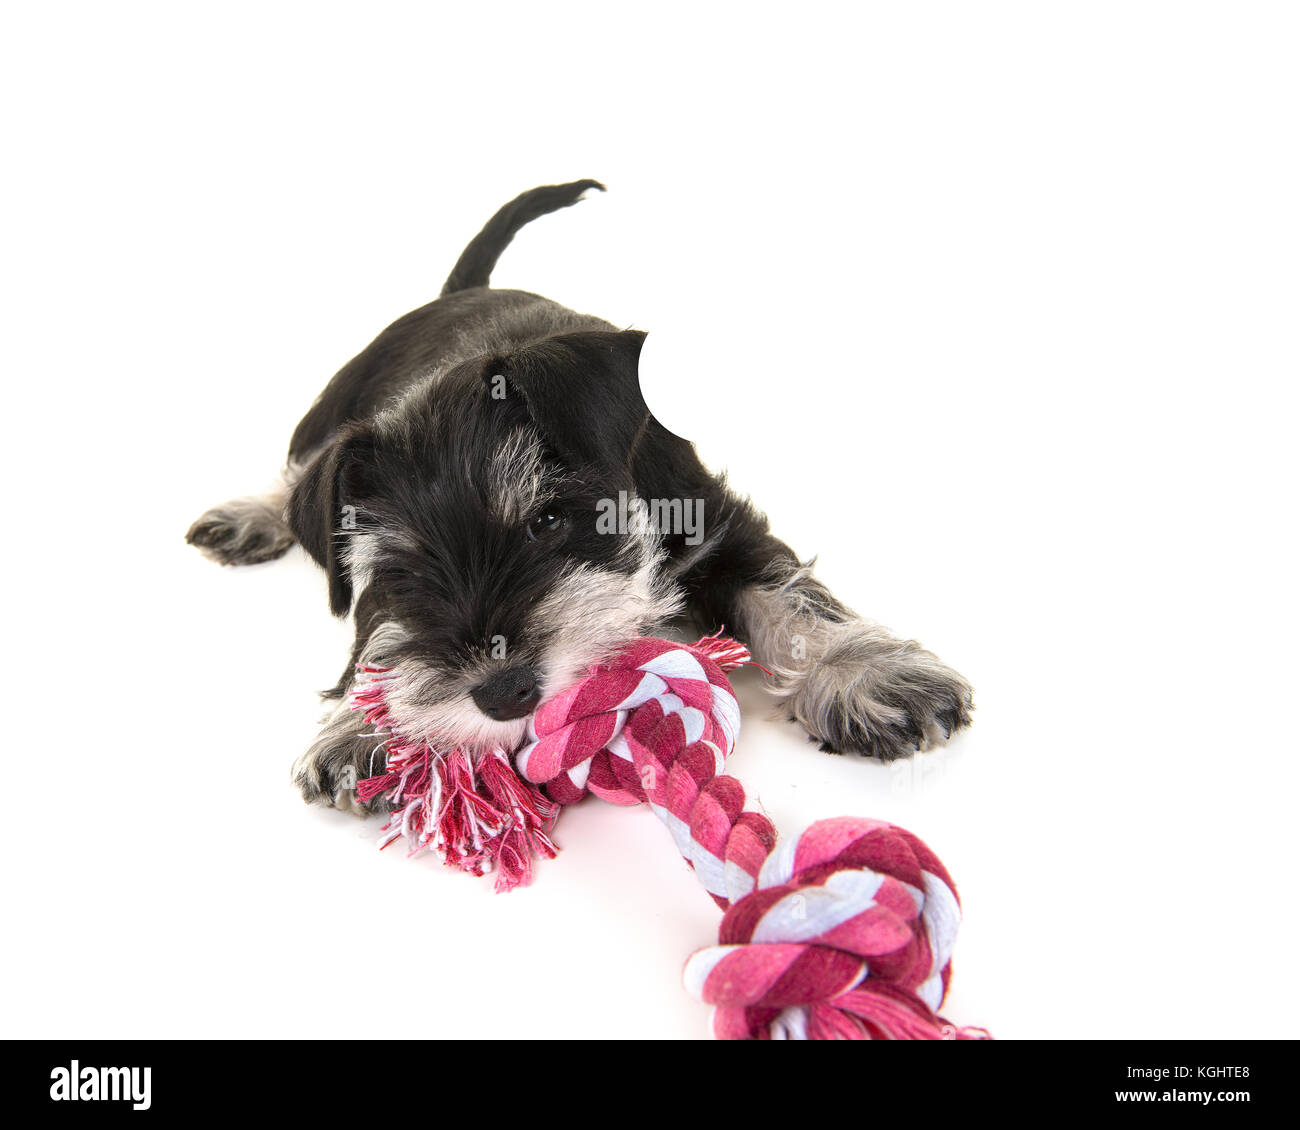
323, 509
582, 392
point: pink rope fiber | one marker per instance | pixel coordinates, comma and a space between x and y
842, 932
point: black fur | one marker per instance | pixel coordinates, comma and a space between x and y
476, 262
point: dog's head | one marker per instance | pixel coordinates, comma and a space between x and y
475, 525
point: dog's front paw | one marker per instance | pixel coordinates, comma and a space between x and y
320, 785
328, 772
885, 702
245, 531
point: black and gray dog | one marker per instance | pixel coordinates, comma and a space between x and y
487, 491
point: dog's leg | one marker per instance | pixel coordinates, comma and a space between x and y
348, 750
245, 531
848, 682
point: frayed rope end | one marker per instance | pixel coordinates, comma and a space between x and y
479, 819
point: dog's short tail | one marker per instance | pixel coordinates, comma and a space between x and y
474, 267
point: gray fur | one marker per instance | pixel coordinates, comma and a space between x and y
245, 531
847, 681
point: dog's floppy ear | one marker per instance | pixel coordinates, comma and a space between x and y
320, 513
582, 392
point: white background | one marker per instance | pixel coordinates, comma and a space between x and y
992, 306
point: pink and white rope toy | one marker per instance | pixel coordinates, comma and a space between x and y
843, 932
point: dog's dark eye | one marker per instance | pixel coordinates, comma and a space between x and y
544, 523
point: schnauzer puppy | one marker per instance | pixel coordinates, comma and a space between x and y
492, 501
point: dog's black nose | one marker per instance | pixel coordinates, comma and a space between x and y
511, 693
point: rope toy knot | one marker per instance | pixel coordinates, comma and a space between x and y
847, 935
